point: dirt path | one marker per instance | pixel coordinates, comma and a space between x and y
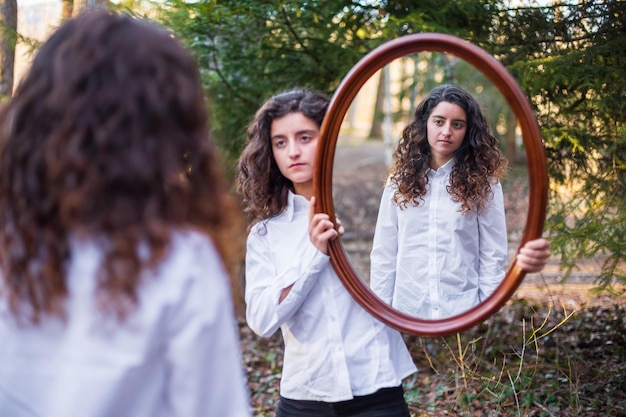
576, 370
358, 177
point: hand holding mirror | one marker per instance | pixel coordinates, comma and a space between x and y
537, 175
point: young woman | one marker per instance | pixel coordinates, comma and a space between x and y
440, 242
338, 360
114, 300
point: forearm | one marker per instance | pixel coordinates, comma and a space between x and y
271, 298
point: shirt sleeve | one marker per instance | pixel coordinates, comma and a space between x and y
264, 284
383, 258
492, 243
206, 376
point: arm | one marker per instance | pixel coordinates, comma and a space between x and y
493, 243
321, 231
533, 256
383, 258
206, 377
273, 294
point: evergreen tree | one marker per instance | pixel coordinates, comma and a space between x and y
570, 60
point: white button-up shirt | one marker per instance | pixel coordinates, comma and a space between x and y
431, 260
176, 355
334, 349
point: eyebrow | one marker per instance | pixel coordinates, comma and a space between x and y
454, 120
298, 133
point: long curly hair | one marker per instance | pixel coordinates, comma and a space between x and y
479, 161
105, 138
263, 188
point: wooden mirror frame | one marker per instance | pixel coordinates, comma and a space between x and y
323, 175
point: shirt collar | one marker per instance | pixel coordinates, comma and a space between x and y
445, 168
295, 203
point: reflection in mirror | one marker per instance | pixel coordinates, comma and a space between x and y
375, 121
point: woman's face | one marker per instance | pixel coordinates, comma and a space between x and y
294, 142
445, 129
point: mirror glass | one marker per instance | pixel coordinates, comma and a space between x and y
374, 122
445, 58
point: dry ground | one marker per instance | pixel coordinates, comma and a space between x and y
555, 349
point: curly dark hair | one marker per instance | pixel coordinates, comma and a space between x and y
107, 138
263, 188
479, 160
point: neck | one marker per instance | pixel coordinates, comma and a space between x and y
437, 162
305, 190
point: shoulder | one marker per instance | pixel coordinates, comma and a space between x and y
192, 247
190, 238
495, 182
495, 185
191, 257
262, 227
192, 267
259, 234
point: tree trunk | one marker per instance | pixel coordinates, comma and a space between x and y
377, 121
510, 145
8, 38
67, 7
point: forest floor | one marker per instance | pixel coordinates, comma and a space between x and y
557, 348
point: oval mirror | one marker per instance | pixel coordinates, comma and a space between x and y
368, 136
350, 255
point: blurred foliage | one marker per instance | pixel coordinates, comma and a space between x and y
249, 49
568, 57
570, 60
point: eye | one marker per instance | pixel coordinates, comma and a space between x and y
459, 125
438, 122
278, 143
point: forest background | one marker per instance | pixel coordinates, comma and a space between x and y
568, 57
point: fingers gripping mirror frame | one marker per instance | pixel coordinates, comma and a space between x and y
537, 174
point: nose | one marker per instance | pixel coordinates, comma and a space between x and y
446, 130
294, 149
